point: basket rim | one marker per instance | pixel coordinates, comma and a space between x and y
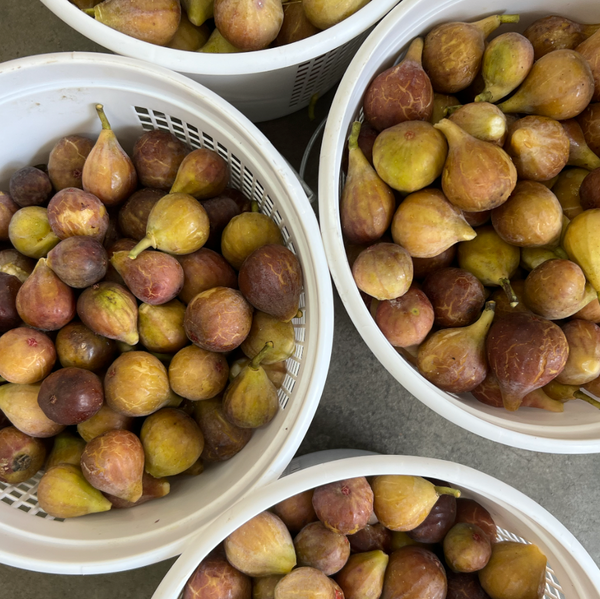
223, 65
330, 159
528, 510
302, 220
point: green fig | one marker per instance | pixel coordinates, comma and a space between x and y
202, 174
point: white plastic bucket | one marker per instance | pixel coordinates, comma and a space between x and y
264, 84
577, 430
571, 572
43, 98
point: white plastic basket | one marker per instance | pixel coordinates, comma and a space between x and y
571, 572
43, 98
577, 430
264, 84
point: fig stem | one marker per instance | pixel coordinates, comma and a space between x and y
259, 357
450, 110
299, 314
489, 24
510, 294
103, 119
353, 139
254, 207
89, 11
591, 401
140, 247
447, 491
509, 18
485, 96
415, 50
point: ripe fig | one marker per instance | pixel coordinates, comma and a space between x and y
133, 215
296, 511
264, 587
318, 547
7, 208
26, 356
583, 363
30, 186
590, 50
463, 585
66, 160
220, 211
306, 581
215, 578
267, 328
581, 245
106, 419
152, 488
202, 174
21, 456
67, 449
467, 548
481, 120
472, 512
295, 27
78, 262
438, 522
589, 121
30, 232
324, 15
362, 577
161, 327
579, 152
78, 346
9, 288
589, 191
16, 264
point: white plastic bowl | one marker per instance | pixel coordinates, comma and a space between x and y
43, 98
265, 84
571, 572
577, 430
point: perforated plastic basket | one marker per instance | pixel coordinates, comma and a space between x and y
43, 98
577, 430
265, 84
571, 572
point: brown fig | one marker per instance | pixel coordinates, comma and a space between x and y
133, 215
26, 356
220, 211
264, 587
362, 577
590, 50
30, 186
7, 208
21, 456
318, 547
9, 288
308, 581
440, 103
78, 261
30, 232
296, 511
590, 312
567, 188
202, 174
401, 93
589, 121
589, 191
482, 120
66, 160
425, 266
108, 172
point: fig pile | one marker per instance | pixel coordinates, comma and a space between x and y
395, 536
471, 208
123, 335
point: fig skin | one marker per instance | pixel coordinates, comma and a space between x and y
152, 488
583, 363
264, 587
66, 160
261, 547
71, 395
590, 312
172, 442
362, 577
79, 262
344, 506
66, 449
133, 215
309, 582
30, 232
425, 266
483, 121
21, 456
215, 578
106, 419
161, 327
136, 384
222, 439
79, 347
470, 511
296, 511
457, 297
414, 572
438, 522
589, 191
373, 537
407, 320
7, 209
464, 586
74, 212
218, 319
383, 271
589, 121
30, 186
9, 288
202, 174
204, 270
467, 548
590, 50
267, 328
108, 309
26, 356
295, 26
318, 547
220, 211
16, 264
157, 156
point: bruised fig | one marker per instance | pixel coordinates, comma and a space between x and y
114, 463
152, 488
26, 356
63, 492
108, 172
371, 538
106, 419
21, 456
557, 33
7, 208
204, 270
222, 439
215, 578
66, 160
525, 352
467, 548
76, 212
67, 449
439, 521
161, 327
296, 511
30, 232
583, 363
590, 50
9, 288
318, 547
261, 547
367, 203
482, 120
202, 174
156, 156
453, 51
195, 373
454, 359
477, 184
362, 577
108, 309
44, 301
78, 261
401, 93
267, 328
30, 186
383, 271
133, 215
344, 506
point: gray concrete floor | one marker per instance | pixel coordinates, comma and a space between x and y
362, 406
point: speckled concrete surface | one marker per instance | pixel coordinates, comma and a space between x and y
362, 406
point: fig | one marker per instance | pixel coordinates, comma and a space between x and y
324, 15
344, 506
482, 120
425, 266
589, 190
26, 356
264, 587
441, 102
464, 586
267, 328
204, 270
133, 215
222, 439
21, 456
261, 547
79, 347
161, 327
306, 581
172, 442
157, 156
202, 174
108, 309
30, 186
63, 492
188, 36
466, 548
438, 522
78, 262
14, 263
295, 27
590, 50
71, 395
9, 288
363, 575
66, 160
470, 511
7, 208
215, 578
581, 244
371, 538
67, 449
296, 511
106, 419
114, 463
579, 152
136, 384
590, 312
318, 547
276, 372
30, 232
218, 319
583, 363
152, 488
220, 211
589, 121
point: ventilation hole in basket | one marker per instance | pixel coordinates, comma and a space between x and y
140, 110
7, 500
293, 366
277, 218
208, 141
283, 398
302, 300
222, 151
289, 383
299, 352
299, 334
268, 204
